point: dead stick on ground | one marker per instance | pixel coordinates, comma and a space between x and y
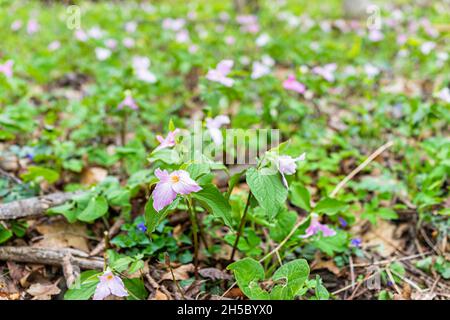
33, 206
49, 256
339, 186
115, 228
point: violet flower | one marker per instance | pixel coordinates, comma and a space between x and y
128, 102
170, 185
141, 227
293, 85
168, 141
213, 125
315, 227
7, 68
287, 166
219, 74
356, 242
109, 284
32, 26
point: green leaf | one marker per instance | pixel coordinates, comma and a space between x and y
5, 234
97, 207
330, 206
135, 288
294, 273
153, 218
284, 223
169, 156
84, 287
211, 198
247, 273
300, 196
232, 182
334, 244
321, 292
268, 191
67, 210
36, 173
196, 170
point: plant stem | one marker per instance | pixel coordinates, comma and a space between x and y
194, 234
123, 134
241, 226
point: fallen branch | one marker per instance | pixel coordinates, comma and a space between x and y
49, 256
35, 206
115, 228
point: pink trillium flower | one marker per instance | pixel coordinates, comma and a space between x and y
173, 24
32, 26
182, 36
293, 85
80, 35
170, 185
131, 26
259, 70
315, 227
109, 284
371, 70
262, 40
376, 35
326, 72
54, 45
140, 67
219, 74
16, 25
249, 23
111, 43
128, 102
168, 141
444, 95
427, 47
102, 53
213, 126
7, 68
128, 42
287, 166
96, 32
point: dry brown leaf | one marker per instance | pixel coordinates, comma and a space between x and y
382, 236
61, 234
159, 296
93, 175
41, 291
214, 274
180, 273
16, 271
326, 264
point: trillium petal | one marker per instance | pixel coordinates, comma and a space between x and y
216, 136
102, 290
185, 185
163, 195
117, 287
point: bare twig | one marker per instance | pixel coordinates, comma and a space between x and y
49, 256
115, 228
35, 206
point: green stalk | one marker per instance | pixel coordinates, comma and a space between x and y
241, 226
193, 218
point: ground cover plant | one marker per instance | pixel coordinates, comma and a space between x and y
276, 150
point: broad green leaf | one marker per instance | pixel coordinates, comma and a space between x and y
35, 173
67, 210
330, 206
169, 156
196, 170
135, 288
154, 218
234, 179
334, 244
268, 191
300, 196
84, 287
97, 207
284, 223
247, 273
294, 273
215, 202
5, 234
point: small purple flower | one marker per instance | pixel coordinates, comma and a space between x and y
287, 166
343, 222
168, 141
315, 227
32, 26
219, 74
356, 242
128, 102
293, 85
213, 125
444, 95
109, 284
169, 185
141, 227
